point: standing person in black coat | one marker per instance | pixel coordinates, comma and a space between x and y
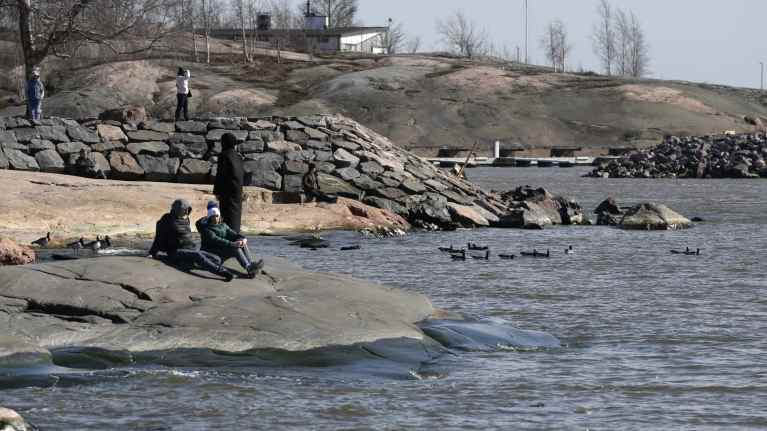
229, 181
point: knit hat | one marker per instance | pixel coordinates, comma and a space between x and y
214, 211
212, 204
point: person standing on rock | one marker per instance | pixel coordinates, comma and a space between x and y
174, 237
230, 179
35, 95
182, 93
221, 240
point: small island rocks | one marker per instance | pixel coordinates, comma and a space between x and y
725, 156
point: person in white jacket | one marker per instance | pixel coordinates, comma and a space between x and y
182, 93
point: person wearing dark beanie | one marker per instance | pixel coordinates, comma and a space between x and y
229, 182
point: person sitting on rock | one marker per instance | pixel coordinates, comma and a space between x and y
174, 237
218, 238
86, 166
311, 185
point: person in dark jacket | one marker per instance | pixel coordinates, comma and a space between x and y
173, 236
221, 240
35, 95
311, 185
229, 181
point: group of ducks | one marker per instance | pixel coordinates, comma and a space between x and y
461, 254
81, 244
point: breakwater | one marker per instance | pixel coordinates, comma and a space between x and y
353, 162
727, 156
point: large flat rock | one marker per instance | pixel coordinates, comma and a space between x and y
134, 304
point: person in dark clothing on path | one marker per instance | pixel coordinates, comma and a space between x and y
229, 181
221, 240
311, 185
182, 93
174, 237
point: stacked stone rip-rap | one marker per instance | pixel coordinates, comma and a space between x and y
353, 161
721, 156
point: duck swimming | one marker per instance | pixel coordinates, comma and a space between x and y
569, 250
461, 255
44, 241
450, 249
507, 256
536, 253
351, 247
475, 247
485, 257
687, 252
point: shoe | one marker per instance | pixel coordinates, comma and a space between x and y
255, 269
228, 276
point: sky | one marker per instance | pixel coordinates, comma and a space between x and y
718, 42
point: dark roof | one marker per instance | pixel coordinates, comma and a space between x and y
342, 31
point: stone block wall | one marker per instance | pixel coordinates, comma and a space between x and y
353, 161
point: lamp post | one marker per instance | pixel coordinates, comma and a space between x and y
525, 13
761, 86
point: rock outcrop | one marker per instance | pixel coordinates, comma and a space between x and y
14, 254
644, 216
531, 208
651, 216
70, 207
354, 161
132, 305
733, 156
12, 421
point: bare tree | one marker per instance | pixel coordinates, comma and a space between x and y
639, 51
240, 12
604, 37
555, 45
340, 13
46, 27
283, 16
623, 41
394, 38
413, 44
462, 35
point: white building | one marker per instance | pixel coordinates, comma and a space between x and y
363, 39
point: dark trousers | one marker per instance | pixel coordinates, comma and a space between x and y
241, 254
231, 211
207, 261
321, 197
182, 103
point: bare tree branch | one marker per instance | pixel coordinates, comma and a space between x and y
555, 45
462, 36
604, 37
413, 45
394, 38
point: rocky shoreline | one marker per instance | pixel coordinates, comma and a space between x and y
70, 207
728, 156
128, 311
354, 162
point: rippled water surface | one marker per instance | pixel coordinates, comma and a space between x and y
651, 340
